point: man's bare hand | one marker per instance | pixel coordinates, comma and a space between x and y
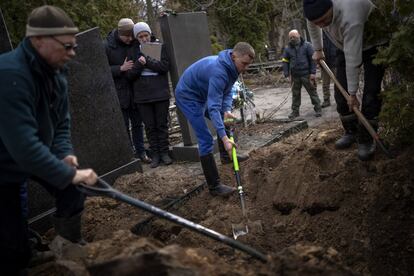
228, 145
312, 79
353, 101
128, 64
142, 60
86, 176
229, 119
318, 55
71, 160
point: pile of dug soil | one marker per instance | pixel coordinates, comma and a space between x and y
304, 191
313, 209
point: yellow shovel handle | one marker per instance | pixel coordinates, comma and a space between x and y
234, 155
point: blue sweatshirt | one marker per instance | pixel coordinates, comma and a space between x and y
209, 81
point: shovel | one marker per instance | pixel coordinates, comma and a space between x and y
357, 112
242, 228
104, 189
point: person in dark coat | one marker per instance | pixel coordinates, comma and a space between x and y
204, 90
330, 58
151, 93
117, 44
35, 134
299, 66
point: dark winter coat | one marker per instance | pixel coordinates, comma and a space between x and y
34, 119
149, 89
329, 49
297, 60
117, 51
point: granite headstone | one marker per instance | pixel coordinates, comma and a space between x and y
98, 131
187, 40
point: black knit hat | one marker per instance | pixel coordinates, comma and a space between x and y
314, 9
49, 20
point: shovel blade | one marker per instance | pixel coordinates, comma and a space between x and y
239, 230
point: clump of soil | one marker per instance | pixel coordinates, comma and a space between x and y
317, 211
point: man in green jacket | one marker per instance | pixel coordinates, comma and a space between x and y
35, 134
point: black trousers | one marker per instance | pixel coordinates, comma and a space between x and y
373, 75
155, 117
14, 247
136, 136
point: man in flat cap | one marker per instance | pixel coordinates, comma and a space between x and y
352, 26
35, 134
117, 45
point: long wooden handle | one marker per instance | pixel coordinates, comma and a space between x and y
358, 113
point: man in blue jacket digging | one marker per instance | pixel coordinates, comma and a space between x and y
204, 90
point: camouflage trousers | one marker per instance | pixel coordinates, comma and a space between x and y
298, 82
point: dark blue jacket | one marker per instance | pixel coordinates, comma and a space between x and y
297, 60
34, 119
209, 81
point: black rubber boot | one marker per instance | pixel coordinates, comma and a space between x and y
155, 160
350, 124
212, 177
224, 155
69, 228
366, 145
293, 115
326, 103
165, 157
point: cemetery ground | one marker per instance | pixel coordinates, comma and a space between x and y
322, 211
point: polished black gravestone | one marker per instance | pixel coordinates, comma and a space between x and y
5, 42
98, 132
187, 40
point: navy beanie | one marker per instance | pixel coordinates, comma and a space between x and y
314, 9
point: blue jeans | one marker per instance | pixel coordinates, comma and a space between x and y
195, 113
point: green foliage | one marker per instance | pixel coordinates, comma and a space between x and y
397, 113
215, 45
242, 20
86, 14
247, 21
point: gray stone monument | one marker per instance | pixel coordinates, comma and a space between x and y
98, 132
5, 42
187, 40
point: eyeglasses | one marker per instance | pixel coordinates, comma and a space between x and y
67, 46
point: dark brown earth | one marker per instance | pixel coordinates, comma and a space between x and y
321, 212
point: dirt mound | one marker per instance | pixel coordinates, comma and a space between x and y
304, 191
308, 205
124, 254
